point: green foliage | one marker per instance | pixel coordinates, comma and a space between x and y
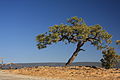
77, 31
110, 58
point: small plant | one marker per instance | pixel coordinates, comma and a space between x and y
110, 58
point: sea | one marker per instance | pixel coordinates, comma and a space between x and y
23, 65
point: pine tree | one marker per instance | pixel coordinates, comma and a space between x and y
76, 32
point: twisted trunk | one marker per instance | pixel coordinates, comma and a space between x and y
79, 45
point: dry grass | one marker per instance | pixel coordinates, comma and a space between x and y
71, 73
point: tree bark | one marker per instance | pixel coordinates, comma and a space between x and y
79, 45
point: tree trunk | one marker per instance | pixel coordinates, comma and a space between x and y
79, 45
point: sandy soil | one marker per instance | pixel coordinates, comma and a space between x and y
70, 73
7, 76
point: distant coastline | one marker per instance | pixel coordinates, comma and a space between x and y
54, 64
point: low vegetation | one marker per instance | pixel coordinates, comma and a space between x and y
70, 73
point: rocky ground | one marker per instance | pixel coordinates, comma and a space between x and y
70, 73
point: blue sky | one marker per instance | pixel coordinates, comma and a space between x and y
22, 20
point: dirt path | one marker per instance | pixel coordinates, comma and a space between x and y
8, 76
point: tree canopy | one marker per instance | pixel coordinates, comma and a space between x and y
76, 31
